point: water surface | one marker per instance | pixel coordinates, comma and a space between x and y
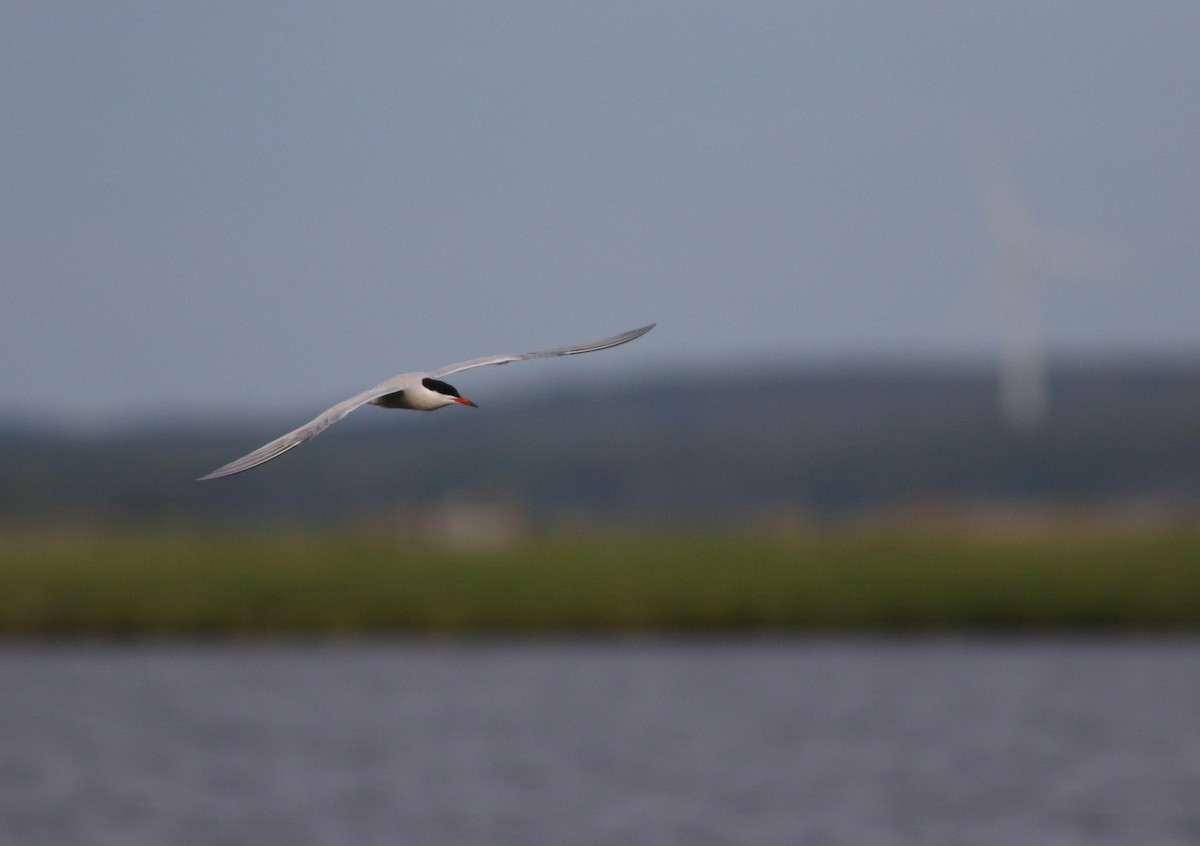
691, 742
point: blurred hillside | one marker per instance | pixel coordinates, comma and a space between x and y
738, 445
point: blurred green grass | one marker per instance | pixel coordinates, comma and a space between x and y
148, 583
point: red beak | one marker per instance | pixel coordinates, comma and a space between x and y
465, 401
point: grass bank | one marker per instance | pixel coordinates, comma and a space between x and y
192, 583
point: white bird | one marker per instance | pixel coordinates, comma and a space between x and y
420, 391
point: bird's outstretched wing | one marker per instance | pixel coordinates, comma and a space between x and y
615, 340
296, 437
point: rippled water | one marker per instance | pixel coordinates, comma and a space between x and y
691, 742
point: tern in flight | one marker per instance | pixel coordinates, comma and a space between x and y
420, 391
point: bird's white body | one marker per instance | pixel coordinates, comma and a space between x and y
409, 392
418, 390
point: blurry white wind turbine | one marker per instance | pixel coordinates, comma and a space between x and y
1024, 256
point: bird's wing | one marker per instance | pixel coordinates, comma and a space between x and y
296, 437
614, 341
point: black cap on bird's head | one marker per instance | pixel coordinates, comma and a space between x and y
448, 390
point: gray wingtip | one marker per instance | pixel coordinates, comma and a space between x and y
637, 333
634, 334
219, 473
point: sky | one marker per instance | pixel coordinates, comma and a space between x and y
232, 208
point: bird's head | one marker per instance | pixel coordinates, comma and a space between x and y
446, 394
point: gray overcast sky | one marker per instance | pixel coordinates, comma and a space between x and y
225, 206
